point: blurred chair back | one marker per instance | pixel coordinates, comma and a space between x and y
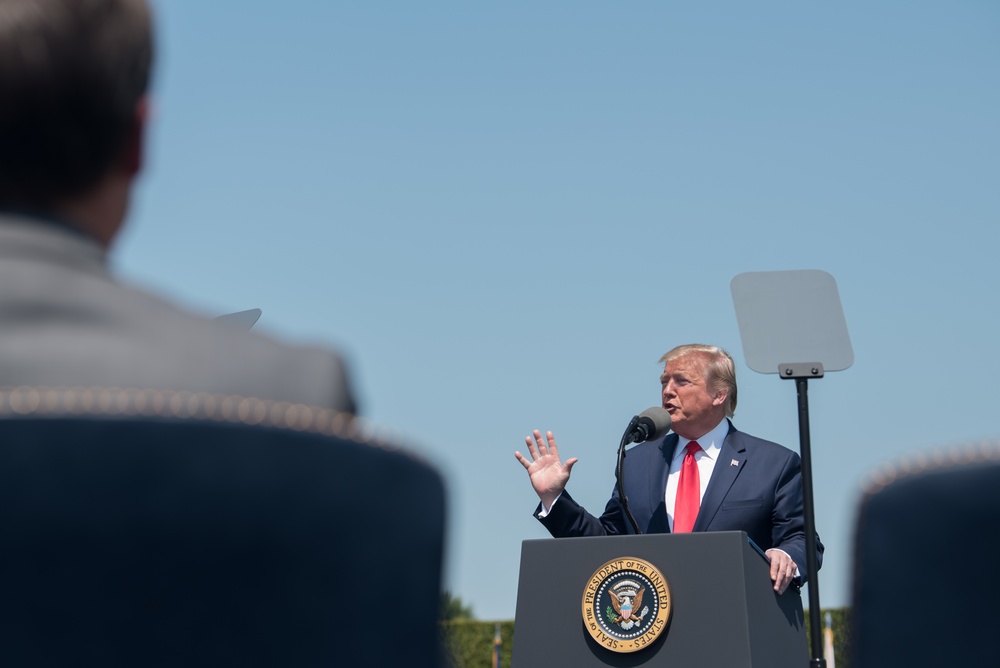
926, 586
170, 529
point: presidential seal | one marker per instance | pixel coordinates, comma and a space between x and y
626, 604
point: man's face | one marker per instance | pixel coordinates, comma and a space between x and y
694, 407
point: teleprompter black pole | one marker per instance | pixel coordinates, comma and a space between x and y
794, 319
812, 568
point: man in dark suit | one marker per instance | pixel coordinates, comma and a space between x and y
73, 113
738, 482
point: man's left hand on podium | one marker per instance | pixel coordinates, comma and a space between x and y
783, 569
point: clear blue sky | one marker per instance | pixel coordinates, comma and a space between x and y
504, 213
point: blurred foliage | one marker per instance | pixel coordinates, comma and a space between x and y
841, 621
453, 609
469, 643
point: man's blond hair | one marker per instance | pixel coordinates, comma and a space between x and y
720, 371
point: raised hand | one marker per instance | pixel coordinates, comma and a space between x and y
547, 472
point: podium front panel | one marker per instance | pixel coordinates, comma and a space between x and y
724, 610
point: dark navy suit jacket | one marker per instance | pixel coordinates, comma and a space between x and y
756, 487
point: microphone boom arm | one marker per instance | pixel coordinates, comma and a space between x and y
650, 424
627, 438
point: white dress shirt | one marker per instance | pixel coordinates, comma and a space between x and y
706, 458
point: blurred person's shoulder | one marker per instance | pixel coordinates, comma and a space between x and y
66, 321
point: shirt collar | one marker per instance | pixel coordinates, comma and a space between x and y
711, 442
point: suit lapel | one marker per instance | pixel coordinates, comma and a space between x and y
723, 477
658, 472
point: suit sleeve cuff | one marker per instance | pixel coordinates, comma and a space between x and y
543, 513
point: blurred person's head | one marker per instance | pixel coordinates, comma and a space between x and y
73, 81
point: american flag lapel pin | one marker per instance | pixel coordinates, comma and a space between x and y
734, 463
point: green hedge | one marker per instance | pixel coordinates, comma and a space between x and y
469, 643
840, 618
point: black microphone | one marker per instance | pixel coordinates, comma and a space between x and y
650, 424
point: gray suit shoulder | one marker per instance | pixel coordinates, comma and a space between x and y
65, 321
213, 357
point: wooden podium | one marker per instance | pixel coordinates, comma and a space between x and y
723, 610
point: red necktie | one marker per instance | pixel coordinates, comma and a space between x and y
688, 492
